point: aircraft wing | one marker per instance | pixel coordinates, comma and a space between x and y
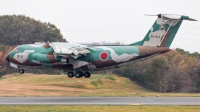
69, 49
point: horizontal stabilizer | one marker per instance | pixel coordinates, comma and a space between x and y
172, 16
190, 19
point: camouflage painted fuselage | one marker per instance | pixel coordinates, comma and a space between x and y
100, 57
68, 56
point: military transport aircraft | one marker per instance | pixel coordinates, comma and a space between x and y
79, 60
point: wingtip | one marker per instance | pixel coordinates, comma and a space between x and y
190, 19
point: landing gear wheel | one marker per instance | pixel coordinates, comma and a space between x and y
78, 74
21, 71
86, 74
70, 74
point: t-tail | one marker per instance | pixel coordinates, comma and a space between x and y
163, 31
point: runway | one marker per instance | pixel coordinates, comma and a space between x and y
99, 100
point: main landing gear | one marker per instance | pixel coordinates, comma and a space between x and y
78, 74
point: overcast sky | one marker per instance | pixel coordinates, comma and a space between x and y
82, 21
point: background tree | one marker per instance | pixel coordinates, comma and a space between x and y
174, 71
19, 29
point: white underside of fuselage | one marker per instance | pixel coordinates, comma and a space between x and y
24, 66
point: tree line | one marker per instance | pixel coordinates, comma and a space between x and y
19, 29
174, 71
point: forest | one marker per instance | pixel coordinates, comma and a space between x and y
174, 71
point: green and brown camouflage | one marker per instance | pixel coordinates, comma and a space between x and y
163, 30
78, 58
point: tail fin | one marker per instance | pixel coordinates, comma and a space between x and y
163, 31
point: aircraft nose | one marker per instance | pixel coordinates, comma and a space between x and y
7, 58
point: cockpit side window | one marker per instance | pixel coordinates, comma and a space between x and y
16, 50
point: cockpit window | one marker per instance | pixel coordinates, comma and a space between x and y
16, 50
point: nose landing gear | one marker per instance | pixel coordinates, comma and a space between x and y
21, 71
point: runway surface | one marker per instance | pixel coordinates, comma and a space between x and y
99, 100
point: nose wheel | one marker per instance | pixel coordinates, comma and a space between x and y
21, 71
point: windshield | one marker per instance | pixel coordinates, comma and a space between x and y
16, 50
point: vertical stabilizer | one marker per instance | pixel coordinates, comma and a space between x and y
163, 30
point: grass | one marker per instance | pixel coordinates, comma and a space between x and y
97, 85
60, 85
48, 108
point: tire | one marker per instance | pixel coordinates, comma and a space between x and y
21, 71
78, 74
70, 74
87, 75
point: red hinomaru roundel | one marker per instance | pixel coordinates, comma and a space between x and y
104, 56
